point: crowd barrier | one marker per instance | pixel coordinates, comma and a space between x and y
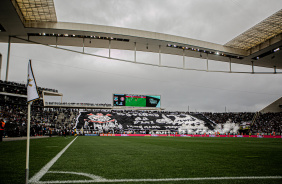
191, 135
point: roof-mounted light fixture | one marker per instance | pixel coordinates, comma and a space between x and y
204, 51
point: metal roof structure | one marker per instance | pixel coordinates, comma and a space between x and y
36, 10
266, 29
35, 22
275, 106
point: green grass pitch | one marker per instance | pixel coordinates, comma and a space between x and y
146, 158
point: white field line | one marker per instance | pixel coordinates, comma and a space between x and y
93, 177
160, 180
98, 179
44, 170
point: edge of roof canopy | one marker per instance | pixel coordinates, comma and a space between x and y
140, 35
264, 30
54, 33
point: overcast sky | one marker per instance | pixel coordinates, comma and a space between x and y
90, 79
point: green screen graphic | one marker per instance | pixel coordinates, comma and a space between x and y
129, 100
135, 100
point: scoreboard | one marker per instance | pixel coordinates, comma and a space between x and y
129, 100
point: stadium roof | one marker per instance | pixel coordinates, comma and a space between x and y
34, 21
266, 29
36, 10
275, 106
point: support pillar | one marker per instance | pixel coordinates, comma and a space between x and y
56, 41
83, 45
207, 62
134, 51
8, 59
160, 63
183, 59
230, 65
110, 48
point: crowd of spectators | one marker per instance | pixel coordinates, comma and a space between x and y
220, 118
59, 120
13, 110
42, 120
63, 119
9, 99
264, 123
19, 88
268, 123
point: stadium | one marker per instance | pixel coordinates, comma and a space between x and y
107, 113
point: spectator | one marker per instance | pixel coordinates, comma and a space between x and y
2, 126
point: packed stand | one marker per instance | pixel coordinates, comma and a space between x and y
268, 123
13, 111
19, 88
45, 121
220, 118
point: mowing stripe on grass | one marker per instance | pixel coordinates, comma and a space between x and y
159, 180
44, 170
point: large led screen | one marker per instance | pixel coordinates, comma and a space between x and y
136, 100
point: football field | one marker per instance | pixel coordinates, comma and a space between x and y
135, 102
144, 160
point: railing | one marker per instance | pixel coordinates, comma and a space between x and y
78, 104
256, 116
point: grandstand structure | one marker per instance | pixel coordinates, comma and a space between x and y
275, 106
94, 119
35, 22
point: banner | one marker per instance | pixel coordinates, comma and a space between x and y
135, 121
32, 93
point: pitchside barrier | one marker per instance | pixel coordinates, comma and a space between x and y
187, 135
